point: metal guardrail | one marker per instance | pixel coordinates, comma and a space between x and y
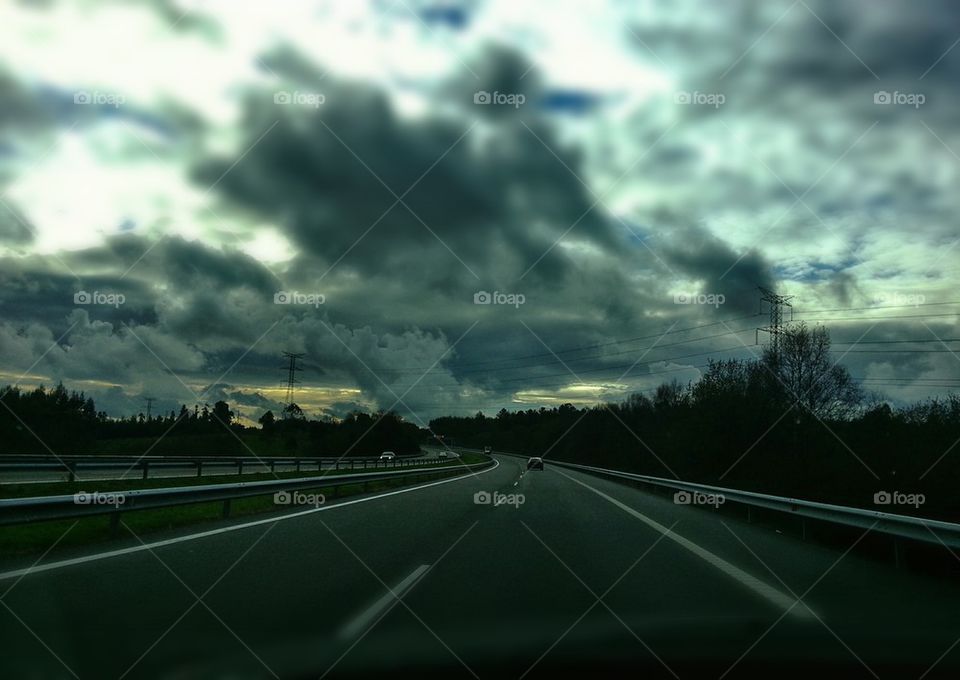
84, 504
72, 464
931, 531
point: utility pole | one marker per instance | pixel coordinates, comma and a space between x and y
292, 369
149, 401
775, 325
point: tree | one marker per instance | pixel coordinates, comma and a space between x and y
669, 395
293, 412
267, 420
813, 383
222, 412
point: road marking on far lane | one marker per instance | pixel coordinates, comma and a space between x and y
372, 613
50, 566
790, 605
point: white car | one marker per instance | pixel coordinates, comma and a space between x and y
442, 454
388, 455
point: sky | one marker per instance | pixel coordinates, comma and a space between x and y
450, 207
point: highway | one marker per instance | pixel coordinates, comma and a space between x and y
579, 574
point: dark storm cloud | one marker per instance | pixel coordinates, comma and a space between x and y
499, 202
718, 268
216, 297
398, 297
496, 205
181, 264
40, 290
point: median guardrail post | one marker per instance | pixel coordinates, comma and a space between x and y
71, 472
199, 468
146, 468
298, 465
239, 466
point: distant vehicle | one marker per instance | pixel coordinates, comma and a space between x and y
487, 449
535, 463
453, 454
388, 455
442, 454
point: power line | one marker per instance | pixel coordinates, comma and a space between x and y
892, 342
585, 347
880, 318
853, 309
558, 360
462, 368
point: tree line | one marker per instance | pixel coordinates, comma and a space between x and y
790, 423
58, 421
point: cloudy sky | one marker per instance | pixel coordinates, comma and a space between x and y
460, 206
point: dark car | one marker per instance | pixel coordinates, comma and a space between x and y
535, 463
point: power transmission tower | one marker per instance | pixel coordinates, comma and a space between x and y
775, 325
149, 401
292, 369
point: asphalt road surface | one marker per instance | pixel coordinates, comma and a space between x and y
584, 575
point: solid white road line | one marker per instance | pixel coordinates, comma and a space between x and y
50, 566
768, 592
367, 616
